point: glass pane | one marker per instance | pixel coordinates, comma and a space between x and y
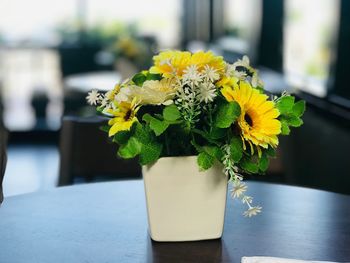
309, 37
242, 22
157, 18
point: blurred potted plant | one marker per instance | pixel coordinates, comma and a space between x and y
196, 122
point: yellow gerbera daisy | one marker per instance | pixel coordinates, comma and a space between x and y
170, 63
173, 63
258, 120
124, 117
201, 59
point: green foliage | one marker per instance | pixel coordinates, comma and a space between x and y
271, 152
214, 151
105, 128
263, 162
205, 161
150, 76
299, 108
249, 164
285, 104
290, 113
139, 79
284, 127
171, 113
226, 114
130, 149
121, 137
236, 148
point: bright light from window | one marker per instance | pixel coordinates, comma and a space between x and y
309, 36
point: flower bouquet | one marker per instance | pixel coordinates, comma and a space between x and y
199, 105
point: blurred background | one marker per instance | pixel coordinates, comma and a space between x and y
53, 52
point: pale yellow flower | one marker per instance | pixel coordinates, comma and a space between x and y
155, 92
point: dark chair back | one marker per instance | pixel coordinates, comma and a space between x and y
3, 159
86, 152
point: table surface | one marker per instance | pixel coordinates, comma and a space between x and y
107, 222
85, 82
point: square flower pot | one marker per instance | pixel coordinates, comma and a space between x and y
184, 204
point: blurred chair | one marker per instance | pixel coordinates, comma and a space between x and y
86, 153
3, 158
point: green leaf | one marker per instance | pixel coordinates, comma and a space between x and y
263, 163
158, 126
299, 108
139, 79
214, 151
171, 113
217, 133
293, 121
143, 133
121, 137
249, 165
284, 128
285, 104
226, 114
150, 152
147, 117
205, 161
236, 147
150, 148
271, 152
105, 128
130, 149
151, 76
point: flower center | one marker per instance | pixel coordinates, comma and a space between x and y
127, 115
248, 120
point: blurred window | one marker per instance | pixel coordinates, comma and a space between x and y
33, 21
157, 18
242, 23
309, 39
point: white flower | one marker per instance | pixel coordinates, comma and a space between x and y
230, 70
192, 74
105, 102
210, 73
252, 211
93, 97
256, 81
244, 62
238, 189
247, 199
240, 75
206, 92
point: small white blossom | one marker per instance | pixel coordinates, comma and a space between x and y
252, 211
210, 73
238, 189
247, 199
244, 62
206, 92
230, 70
240, 75
192, 74
105, 102
256, 81
93, 97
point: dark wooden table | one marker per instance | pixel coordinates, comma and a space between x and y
106, 222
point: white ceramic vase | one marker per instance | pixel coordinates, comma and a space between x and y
184, 204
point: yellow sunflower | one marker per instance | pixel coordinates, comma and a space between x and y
258, 121
124, 117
